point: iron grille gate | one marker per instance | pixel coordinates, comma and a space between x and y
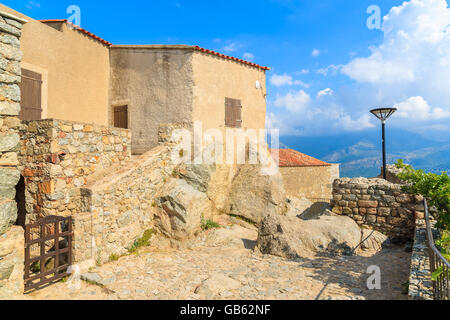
48, 251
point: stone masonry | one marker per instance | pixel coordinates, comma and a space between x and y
420, 283
11, 237
378, 204
57, 157
121, 206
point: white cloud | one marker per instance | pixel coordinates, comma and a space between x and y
315, 53
302, 72
325, 92
410, 69
295, 101
415, 53
232, 47
249, 56
331, 68
301, 83
416, 108
32, 4
305, 116
280, 80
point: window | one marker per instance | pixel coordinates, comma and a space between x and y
233, 113
30, 96
121, 117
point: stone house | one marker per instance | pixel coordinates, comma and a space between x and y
305, 177
72, 74
77, 112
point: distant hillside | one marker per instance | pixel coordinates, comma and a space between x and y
360, 153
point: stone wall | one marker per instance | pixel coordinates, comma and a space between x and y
11, 238
314, 183
378, 204
122, 206
420, 284
154, 191
56, 158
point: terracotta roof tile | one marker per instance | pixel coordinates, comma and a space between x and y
230, 58
292, 158
93, 36
197, 48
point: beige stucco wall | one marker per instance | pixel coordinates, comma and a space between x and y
313, 183
156, 84
75, 71
216, 78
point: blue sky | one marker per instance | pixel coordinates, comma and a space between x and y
328, 68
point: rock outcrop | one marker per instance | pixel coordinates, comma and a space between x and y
373, 240
184, 206
254, 195
295, 238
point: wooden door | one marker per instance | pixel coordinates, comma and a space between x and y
121, 117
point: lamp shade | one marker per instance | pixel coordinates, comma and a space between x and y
383, 113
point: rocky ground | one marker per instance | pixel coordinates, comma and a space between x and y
221, 264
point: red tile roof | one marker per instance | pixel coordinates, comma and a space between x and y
93, 36
197, 48
230, 58
292, 158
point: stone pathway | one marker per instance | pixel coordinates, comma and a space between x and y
205, 271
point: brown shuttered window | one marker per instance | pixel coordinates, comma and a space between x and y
233, 113
30, 96
121, 117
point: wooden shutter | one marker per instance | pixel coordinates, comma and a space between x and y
229, 122
233, 113
121, 117
30, 96
237, 114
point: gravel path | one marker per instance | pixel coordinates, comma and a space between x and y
236, 272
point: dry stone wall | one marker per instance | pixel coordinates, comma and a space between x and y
11, 237
420, 283
58, 156
378, 204
122, 206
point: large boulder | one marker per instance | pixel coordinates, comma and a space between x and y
373, 240
180, 209
234, 237
254, 194
292, 238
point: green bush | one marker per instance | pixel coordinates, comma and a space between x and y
144, 241
114, 257
209, 224
435, 188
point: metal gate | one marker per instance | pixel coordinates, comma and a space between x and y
48, 251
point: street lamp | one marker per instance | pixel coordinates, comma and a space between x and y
383, 114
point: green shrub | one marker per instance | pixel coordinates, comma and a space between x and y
114, 257
444, 244
143, 241
435, 188
209, 224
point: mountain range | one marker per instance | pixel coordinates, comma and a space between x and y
360, 155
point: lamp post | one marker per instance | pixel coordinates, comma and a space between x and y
383, 114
